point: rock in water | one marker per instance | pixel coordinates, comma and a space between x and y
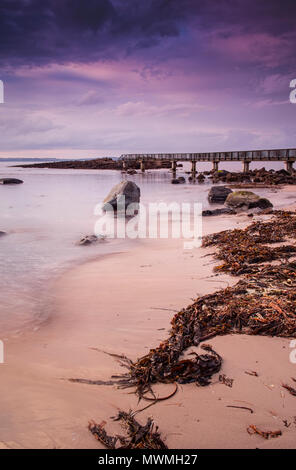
2, 233
10, 181
246, 200
89, 239
128, 189
218, 194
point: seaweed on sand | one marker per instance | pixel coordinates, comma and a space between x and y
138, 436
262, 302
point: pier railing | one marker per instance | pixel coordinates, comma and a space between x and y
285, 155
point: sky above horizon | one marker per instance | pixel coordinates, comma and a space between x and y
106, 77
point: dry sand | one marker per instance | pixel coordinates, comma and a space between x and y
123, 303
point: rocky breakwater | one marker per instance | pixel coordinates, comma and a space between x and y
260, 177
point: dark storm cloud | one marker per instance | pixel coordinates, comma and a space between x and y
35, 31
44, 31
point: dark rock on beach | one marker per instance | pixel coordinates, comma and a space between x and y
224, 210
180, 180
2, 233
218, 194
10, 181
126, 192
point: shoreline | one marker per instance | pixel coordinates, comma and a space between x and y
86, 316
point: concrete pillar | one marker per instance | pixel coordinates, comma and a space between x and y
174, 168
124, 165
289, 166
142, 166
246, 166
215, 166
193, 168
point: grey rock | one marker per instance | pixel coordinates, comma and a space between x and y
128, 189
181, 179
218, 194
89, 239
10, 181
2, 233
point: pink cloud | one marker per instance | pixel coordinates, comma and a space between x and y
261, 48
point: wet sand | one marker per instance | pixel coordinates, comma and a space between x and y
123, 303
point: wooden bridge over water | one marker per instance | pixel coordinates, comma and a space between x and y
246, 157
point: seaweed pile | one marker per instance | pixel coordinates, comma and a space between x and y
138, 436
262, 302
243, 250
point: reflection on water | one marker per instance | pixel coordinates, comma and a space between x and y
50, 212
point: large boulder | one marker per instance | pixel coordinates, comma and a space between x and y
10, 181
246, 200
218, 194
126, 191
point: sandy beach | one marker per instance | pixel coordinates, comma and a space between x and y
123, 304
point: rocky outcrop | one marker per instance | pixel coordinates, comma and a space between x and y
124, 193
246, 200
10, 181
99, 164
218, 194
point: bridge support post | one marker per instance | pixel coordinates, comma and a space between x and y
142, 166
174, 168
215, 165
193, 168
246, 166
289, 166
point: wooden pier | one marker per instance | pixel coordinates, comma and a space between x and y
246, 157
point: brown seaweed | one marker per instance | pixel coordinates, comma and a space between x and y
138, 436
252, 429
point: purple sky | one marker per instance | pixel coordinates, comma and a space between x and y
105, 77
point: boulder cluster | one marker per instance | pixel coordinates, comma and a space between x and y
235, 201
